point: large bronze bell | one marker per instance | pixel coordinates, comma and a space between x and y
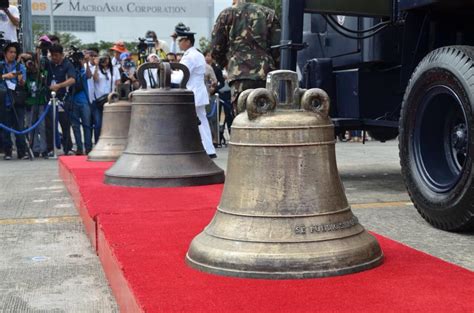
115, 125
164, 147
283, 212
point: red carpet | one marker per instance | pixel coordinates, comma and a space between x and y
143, 235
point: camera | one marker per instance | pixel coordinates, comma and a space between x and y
128, 64
142, 45
4, 4
75, 57
149, 42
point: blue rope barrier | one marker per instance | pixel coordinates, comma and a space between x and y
33, 127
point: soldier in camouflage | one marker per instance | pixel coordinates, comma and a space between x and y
241, 42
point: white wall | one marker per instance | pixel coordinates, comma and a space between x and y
119, 19
129, 29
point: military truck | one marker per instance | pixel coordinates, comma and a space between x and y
397, 68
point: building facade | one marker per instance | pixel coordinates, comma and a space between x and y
111, 20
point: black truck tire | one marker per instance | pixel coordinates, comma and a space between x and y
436, 140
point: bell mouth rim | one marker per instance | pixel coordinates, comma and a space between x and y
285, 275
294, 127
151, 178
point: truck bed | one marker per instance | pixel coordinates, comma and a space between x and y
455, 4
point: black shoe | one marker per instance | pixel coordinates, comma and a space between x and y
88, 151
79, 152
36, 154
212, 156
45, 155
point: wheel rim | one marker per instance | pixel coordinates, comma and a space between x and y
441, 139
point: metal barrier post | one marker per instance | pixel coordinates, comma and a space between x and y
54, 104
218, 123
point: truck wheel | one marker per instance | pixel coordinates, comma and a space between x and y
383, 134
436, 139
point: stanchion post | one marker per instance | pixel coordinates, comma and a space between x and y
218, 105
54, 104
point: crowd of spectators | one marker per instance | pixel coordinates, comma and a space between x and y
82, 80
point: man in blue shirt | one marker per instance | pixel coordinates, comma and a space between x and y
13, 76
61, 75
81, 112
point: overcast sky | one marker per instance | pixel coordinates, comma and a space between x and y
220, 5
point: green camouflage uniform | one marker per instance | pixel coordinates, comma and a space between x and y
241, 42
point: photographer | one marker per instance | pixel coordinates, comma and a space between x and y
9, 22
128, 74
89, 58
118, 49
81, 112
36, 102
106, 78
158, 47
13, 75
61, 75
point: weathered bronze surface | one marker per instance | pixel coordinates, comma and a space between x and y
115, 125
164, 146
283, 213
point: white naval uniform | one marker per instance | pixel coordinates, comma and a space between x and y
195, 62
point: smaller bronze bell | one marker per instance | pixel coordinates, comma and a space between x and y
116, 122
164, 147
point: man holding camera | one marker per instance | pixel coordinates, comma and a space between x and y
12, 108
61, 75
9, 22
81, 112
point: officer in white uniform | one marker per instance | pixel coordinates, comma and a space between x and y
195, 62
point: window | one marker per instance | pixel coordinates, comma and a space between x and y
67, 23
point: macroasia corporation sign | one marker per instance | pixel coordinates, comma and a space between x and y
167, 8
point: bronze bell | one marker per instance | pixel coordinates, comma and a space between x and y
115, 121
283, 212
164, 147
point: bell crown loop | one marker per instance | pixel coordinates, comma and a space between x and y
263, 100
164, 72
113, 97
291, 91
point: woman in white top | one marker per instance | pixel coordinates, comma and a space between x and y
106, 78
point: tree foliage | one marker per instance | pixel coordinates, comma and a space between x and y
68, 40
272, 4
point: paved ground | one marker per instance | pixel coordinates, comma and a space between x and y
46, 261
48, 265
